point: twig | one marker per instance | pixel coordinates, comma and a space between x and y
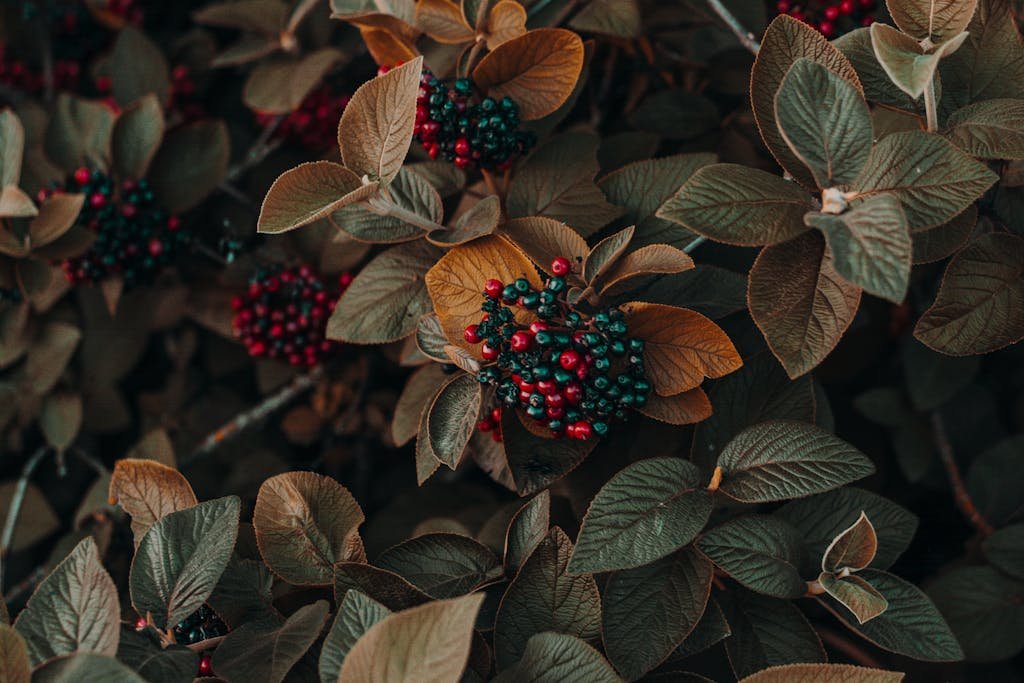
689, 248
229, 189
89, 460
247, 419
960, 495
17, 500
26, 585
537, 8
746, 38
258, 151
853, 651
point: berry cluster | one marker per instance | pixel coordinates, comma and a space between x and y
284, 315
571, 373
492, 424
202, 624
135, 238
17, 75
832, 18
314, 125
449, 124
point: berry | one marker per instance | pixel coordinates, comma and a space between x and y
202, 624
492, 288
470, 334
314, 125
489, 352
561, 266
206, 665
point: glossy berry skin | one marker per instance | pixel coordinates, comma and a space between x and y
492, 288
470, 334
561, 266
521, 341
206, 665
201, 625
831, 17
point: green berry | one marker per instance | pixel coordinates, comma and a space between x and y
602, 383
636, 345
600, 428
602, 364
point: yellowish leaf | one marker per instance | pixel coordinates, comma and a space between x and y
148, 491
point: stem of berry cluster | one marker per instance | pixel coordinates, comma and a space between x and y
746, 38
689, 248
17, 500
960, 495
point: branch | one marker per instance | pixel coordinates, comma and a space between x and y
746, 38
247, 419
960, 495
17, 500
689, 248
850, 649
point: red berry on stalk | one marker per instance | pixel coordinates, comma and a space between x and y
521, 341
82, 175
496, 415
538, 326
561, 266
205, 665
868, 4
485, 425
140, 623
554, 400
492, 288
827, 29
470, 334
582, 430
546, 387
488, 351
569, 359
832, 12
847, 7
573, 393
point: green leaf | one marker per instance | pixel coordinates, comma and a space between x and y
261, 651
305, 523
356, 614
645, 512
376, 128
908, 66
984, 609
855, 594
526, 530
648, 612
933, 179
786, 41
933, 20
535, 461
442, 565
387, 588
142, 651
386, 300
857, 46
482, 219
996, 481
816, 673
870, 245
604, 254
180, 559
936, 244
138, 68
544, 597
14, 663
79, 133
934, 378
779, 460
761, 552
85, 667
989, 130
825, 121
911, 626
452, 418
711, 291
60, 419
308, 193
738, 205
766, 632
1005, 550
12, 144
190, 164
243, 593
136, 137
710, 630
410, 191
980, 305
280, 86
619, 18
426, 643
556, 658
675, 114
75, 609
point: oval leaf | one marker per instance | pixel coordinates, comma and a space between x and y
452, 418
761, 552
148, 491
308, 193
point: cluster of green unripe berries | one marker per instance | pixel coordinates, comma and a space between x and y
573, 373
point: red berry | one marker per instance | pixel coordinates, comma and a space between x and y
573, 393
97, 200
129, 210
847, 7
521, 341
782, 6
554, 400
570, 430
496, 415
82, 175
205, 665
867, 21
488, 352
485, 425
546, 387
528, 387
582, 430
561, 266
554, 412
867, 4
492, 288
140, 624
832, 12
470, 334
383, 69
462, 147
463, 162
173, 223
538, 326
569, 359
827, 29
155, 247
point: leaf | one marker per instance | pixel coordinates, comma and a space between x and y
356, 614
618, 18
538, 70
543, 597
709, 290
136, 137
386, 300
85, 667
689, 407
933, 179
825, 121
148, 491
428, 644
387, 47
14, 663
526, 530
180, 559
911, 626
452, 418
856, 46
856, 594
980, 305
786, 41
257, 16
14, 203
430, 339
557, 657
557, 181
36, 521
545, 239
478, 221
648, 612
933, 20
506, 21
279, 87
190, 164
267, 651
760, 552
386, 587
983, 609
442, 565
645, 512
305, 523
536, 461
854, 548
74, 609
376, 128
681, 347
676, 114
870, 246
605, 253
710, 630
243, 593
813, 673
1005, 550
455, 283
12, 144
138, 68
60, 419
906, 63
766, 632
442, 20
309, 192
417, 395
141, 651
799, 302
654, 259
989, 130
409, 190
994, 483
78, 132
737, 205
778, 460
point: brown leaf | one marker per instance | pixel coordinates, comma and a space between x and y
148, 491
689, 407
387, 47
456, 282
506, 22
538, 70
308, 193
800, 303
56, 216
14, 664
155, 445
480, 220
279, 87
545, 239
14, 203
605, 253
442, 20
416, 397
653, 259
682, 347
60, 419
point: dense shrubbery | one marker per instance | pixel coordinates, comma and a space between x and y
574, 340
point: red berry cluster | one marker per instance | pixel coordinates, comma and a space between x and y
314, 125
284, 315
491, 424
830, 17
17, 75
